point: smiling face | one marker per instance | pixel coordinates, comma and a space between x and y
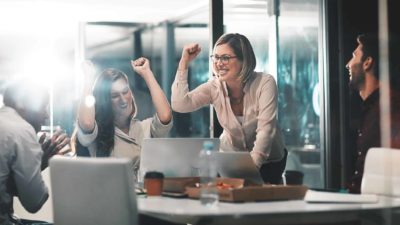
356, 68
121, 99
226, 71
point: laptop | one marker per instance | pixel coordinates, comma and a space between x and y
238, 165
174, 157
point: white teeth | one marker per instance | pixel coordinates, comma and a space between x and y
222, 72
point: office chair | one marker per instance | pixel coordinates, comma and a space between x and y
382, 172
93, 191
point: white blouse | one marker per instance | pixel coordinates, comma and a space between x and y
258, 133
128, 145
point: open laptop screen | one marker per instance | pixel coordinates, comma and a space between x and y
174, 157
238, 165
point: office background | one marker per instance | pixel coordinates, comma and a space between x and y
304, 44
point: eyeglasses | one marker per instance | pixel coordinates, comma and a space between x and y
224, 58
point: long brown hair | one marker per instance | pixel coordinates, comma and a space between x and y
104, 115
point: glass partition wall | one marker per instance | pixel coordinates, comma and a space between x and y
286, 40
165, 55
300, 87
285, 37
162, 44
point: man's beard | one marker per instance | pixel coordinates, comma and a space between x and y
33, 119
357, 80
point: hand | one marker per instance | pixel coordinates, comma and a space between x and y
89, 71
190, 52
141, 66
58, 144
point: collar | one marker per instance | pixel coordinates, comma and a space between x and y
8, 109
372, 98
245, 88
124, 136
370, 102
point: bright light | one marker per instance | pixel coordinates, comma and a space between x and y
39, 18
273, 51
1, 101
90, 100
61, 12
43, 66
316, 99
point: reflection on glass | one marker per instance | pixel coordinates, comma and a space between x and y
162, 44
298, 85
115, 44
297, 76
197, 123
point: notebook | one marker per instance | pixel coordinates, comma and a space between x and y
332, 197
174, 157
238, 165
381, 177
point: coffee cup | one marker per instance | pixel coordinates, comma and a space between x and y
153, 183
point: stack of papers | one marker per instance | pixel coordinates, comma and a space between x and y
337, 197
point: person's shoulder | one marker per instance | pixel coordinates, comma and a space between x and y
20, 130
142, 123
265, 76
262, 78
13, 123
14, 131
213, 84
214, 81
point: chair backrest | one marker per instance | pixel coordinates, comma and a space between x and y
93, 191
382, 172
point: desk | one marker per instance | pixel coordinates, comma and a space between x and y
278, 212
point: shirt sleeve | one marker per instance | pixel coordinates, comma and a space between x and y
26, 166
266, 125
87, 138
184, 101
158, 129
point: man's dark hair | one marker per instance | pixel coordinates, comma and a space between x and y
370, 48
24, 94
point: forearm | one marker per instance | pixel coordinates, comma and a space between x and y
183, 100
262, 145
183, 64
86, 111
159, 99
32, 193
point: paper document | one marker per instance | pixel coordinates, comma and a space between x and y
322, 196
